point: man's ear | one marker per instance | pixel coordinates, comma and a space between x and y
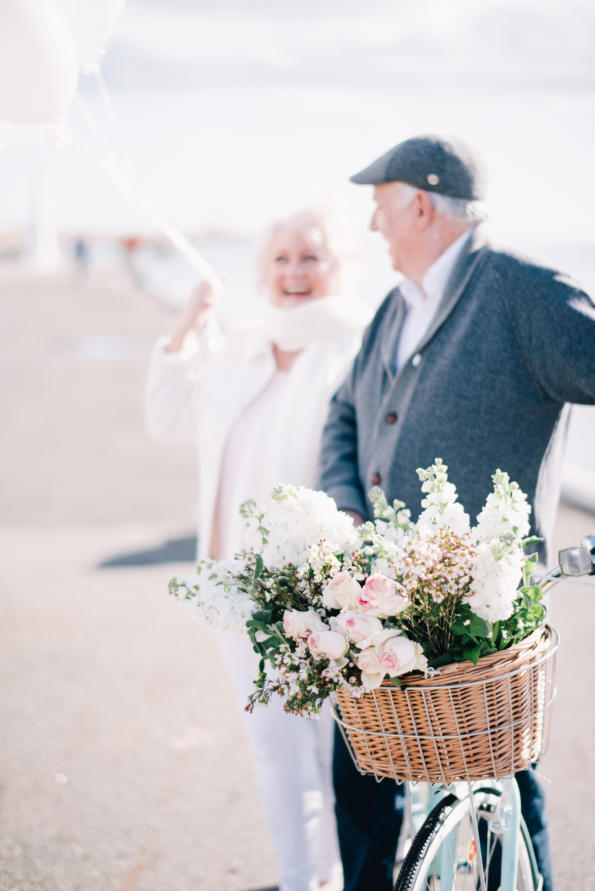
425, 210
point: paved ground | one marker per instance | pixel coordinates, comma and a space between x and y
123, 759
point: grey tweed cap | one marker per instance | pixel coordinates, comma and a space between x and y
434, 163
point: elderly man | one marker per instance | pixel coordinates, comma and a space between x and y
472, 358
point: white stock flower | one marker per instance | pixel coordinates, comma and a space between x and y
505, 513
341, 592
449, 514
440, 504
495, 583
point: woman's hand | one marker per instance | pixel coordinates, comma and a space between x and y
193, 316
357, 518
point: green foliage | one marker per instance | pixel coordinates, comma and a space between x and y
473, 637
528, 615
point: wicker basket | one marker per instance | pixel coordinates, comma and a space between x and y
466, 722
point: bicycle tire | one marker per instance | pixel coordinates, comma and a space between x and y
451, 820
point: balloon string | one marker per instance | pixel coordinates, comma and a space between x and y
94, 125
96, 72
110, 163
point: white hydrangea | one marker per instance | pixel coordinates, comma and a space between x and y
284, 527
211, 595
496, 576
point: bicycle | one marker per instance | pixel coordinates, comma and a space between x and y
469, 832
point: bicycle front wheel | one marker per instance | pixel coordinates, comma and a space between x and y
446, 854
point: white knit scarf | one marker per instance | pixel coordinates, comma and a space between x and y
298, 327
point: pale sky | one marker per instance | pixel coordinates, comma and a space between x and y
231, 117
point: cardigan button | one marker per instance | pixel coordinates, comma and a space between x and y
416, 360
391, 418
376, 479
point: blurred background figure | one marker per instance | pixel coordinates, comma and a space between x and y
255, 399
80, 252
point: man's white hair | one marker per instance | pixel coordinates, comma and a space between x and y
459, 210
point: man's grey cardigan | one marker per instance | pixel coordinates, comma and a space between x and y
510, 344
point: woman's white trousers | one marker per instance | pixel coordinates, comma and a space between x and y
293, 758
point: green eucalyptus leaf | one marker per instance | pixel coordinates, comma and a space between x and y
478, 627
262, 615
472, 653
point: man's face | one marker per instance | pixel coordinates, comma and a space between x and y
394, 217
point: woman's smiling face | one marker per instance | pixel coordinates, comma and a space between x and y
299, 268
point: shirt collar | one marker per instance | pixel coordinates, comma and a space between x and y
436, 277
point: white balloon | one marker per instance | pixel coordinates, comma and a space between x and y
38, 62
92, 22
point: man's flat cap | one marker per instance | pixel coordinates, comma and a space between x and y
434, 163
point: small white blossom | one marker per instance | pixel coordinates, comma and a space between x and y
211, 595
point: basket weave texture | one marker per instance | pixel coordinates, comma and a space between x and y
467, 722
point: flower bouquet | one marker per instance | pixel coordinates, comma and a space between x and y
428, 635
329, 606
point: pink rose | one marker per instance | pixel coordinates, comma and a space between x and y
398, 655
370, 667
300, 623
341, 592
358, 628
327, 644
382, 596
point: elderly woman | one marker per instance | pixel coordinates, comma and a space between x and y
255, 401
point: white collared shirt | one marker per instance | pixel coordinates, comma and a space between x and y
422, 304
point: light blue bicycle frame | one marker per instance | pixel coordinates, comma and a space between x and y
505, 823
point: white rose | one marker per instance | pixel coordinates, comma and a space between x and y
398, 655
299, 623
382, 597
341, 592
327, 644
359, 629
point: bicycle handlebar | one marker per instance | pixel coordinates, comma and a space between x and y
573, 562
